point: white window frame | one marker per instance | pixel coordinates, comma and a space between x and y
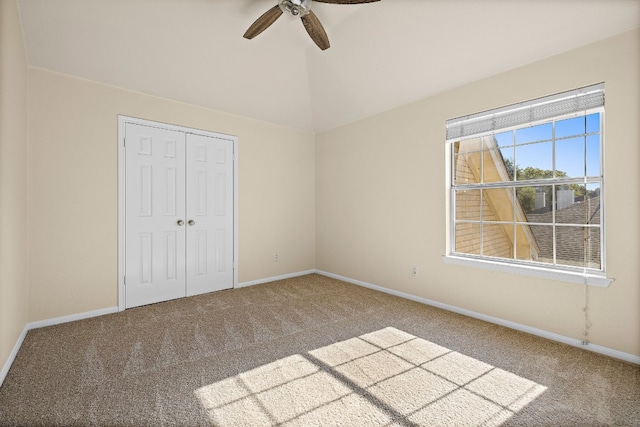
554, 272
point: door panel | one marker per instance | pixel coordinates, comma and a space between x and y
155, 201
210, 210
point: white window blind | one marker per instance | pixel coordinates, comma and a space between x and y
527, 112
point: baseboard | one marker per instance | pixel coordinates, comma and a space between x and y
71, 318
12, 355
627, 357
45, 323
273, 279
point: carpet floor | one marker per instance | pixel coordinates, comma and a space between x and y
308, 351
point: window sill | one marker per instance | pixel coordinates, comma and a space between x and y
599, 280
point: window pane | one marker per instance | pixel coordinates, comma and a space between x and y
508, 158
497, 204
505, 138
494, 166
578, 204
542, 244
541, 132
526, 246
468, 205
593, 204
578, 246
570, 127
593, 155
534, 161
466, 165
467, 238
569, 206
593, 123
535, 203
463, 169
570, 157
593, 254
496, 241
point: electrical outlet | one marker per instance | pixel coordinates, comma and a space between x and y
414, 271
276, 257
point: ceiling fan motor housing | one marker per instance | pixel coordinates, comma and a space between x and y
298, 8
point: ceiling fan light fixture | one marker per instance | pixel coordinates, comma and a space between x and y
297, 8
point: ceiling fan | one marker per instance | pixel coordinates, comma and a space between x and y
301, 8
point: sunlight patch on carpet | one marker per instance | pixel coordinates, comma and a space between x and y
374, 379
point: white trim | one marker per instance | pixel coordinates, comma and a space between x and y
49, 322
591, 279
627, 357
12, 355
122, 121
236, 182
273, 279
121, 211
71, 318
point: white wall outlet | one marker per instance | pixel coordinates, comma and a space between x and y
276, 257
414, 271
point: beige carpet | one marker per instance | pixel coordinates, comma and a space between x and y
308, 351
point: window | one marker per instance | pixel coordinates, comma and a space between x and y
527, 186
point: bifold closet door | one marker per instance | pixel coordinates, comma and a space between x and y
154, 215
209, 214
178, 214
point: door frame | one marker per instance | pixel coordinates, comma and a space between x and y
122, 121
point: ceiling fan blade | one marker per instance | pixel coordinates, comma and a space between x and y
346, 1
262, 23
316, 30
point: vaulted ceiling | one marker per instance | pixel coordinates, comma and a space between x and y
382, 55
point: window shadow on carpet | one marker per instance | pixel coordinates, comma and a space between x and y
386, 377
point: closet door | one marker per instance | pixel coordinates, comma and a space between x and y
154, 215
209, 214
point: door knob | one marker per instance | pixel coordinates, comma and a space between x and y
180, 222
191, 222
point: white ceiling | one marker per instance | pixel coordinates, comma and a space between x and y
382, 55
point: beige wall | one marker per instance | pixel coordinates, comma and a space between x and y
381, 200
13, 180
73, 203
